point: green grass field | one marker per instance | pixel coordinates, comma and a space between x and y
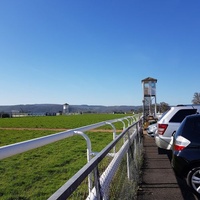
66, 122
38, 173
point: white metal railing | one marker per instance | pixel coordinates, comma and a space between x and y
107, 175
101, 183
66, 190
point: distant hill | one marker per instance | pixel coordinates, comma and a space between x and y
56, 108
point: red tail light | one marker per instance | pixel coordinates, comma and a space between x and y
178, 147
162, 128
181, 143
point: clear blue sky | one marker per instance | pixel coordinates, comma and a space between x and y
96, 52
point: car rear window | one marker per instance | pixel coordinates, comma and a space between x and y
191, 129
181, 114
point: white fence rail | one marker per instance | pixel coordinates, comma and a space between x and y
97, 184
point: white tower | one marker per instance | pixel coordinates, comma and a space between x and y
149, 96
65, 109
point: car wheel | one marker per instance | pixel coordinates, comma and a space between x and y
193, 180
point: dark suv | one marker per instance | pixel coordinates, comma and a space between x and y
186, 151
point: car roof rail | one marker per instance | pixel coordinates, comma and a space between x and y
188, 105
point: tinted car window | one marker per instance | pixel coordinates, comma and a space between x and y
190, 129
181, 114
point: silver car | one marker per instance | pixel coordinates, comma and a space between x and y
170, 122
151, 129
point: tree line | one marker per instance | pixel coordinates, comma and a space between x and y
163, 106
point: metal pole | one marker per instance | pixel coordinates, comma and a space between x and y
89, 151
114, 134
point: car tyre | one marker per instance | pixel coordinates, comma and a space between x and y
193, 180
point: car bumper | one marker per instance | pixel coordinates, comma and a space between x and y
151, 134
180, 165
163, 142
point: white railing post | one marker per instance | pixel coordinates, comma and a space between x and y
124, 125
89, 151
114, 134
89, 146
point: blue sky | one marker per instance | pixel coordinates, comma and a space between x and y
96, 52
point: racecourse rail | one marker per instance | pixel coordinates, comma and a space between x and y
98, 184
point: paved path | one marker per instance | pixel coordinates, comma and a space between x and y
158, 180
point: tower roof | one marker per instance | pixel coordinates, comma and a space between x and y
149, 79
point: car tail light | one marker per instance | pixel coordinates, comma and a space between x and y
162, 128
180, 143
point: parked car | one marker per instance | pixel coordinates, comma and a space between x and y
186, 151
151, 129
170, 122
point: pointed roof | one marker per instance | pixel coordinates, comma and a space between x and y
149, 79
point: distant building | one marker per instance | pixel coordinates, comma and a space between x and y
17, 113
